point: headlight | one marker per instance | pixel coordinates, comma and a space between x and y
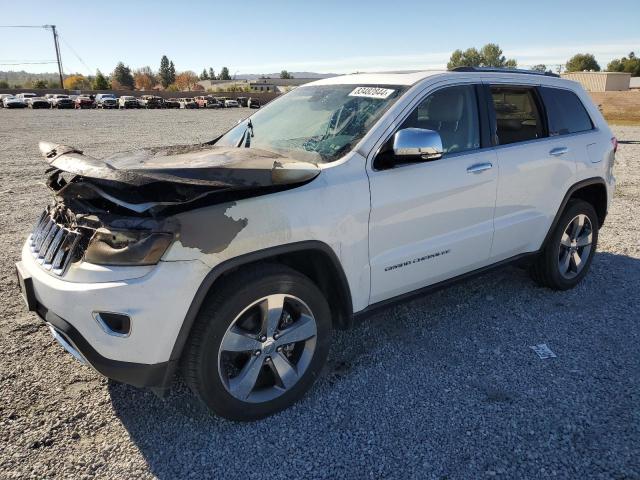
108, 247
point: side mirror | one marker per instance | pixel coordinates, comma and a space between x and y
415, 144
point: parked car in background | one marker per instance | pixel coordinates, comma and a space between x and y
172, 103
253, 103
84, 101
13, 102
230, 103
151, 101
128, 101
106, 100
60, 100
242, 101
221, 101
38, 102
25, 96
187, 103
207, 101
2, 97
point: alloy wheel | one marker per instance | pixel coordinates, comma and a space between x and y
267, 348
575, 246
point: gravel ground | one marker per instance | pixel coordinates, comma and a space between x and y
443, 387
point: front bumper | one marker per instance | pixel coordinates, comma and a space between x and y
137, 374
157, 303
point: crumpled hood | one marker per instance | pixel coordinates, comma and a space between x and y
153, 179
200, 164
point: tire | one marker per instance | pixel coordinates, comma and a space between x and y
567, 240
237, 306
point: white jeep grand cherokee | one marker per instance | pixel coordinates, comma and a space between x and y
233, 260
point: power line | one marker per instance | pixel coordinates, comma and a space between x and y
25, 60
76, 54
30, 63
56, 44
24, 26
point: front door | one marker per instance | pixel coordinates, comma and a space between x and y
433, 220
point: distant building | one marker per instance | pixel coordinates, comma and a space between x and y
600, 81
278, 85
213, 84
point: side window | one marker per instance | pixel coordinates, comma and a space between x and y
453, 113
566, 113
517, 115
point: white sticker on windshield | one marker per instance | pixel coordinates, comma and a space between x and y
371, 92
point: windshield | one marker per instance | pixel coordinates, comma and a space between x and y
318, 123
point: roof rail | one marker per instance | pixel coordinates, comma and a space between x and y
503, 70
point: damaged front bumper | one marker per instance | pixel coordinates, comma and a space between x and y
156, 303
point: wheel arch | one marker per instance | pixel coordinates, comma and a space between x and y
592, 190
315, 259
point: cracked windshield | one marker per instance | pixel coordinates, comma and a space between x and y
314, 123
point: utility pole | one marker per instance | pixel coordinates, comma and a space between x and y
57, 45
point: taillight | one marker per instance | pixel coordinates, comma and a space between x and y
614, 142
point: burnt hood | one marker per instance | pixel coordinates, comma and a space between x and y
200, 164
147, 179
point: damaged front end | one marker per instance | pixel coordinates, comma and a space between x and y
122, 210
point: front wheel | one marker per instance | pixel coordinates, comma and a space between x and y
259, 342
566, 258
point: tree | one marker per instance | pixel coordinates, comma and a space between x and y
492, 57
204, 75
489, 56
186, 80
172, 72
469, 58
224, 74
4, 84
76, 82
144, 78
38, 84
539, 68
581, 62
100, 82
630, 64
285, 75
121, 78
212, 74
164, 73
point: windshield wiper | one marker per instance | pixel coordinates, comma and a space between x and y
245, 141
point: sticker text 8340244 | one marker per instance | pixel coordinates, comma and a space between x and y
371, 92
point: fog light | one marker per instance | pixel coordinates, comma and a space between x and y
116, 324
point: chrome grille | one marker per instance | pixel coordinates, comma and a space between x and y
53, 245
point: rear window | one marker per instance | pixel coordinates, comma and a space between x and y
517, 115
566, 113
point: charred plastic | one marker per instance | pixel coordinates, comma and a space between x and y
124, 207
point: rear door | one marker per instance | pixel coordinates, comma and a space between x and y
535, 169
433, 220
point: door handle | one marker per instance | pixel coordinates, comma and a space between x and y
479, 167
556, 152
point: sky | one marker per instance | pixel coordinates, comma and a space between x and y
326, 36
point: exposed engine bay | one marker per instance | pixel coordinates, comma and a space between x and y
121, 210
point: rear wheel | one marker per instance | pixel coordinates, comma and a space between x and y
259, 342
567, 255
